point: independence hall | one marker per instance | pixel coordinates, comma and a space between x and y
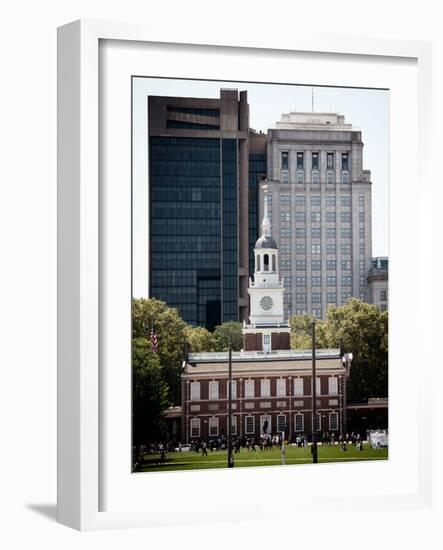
271, 384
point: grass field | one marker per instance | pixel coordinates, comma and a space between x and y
294, 455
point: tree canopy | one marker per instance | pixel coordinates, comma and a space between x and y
360, 328
229, 332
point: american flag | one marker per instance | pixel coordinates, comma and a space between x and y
154, 340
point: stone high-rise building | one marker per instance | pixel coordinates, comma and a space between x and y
320, 208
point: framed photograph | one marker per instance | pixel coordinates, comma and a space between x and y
232, 228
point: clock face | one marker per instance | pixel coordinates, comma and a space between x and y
266, 303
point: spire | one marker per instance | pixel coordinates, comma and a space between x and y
266, 223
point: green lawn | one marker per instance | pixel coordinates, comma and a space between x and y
294, 455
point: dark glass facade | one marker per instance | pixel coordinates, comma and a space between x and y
193, 227
257, 172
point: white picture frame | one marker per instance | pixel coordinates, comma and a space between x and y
84, 210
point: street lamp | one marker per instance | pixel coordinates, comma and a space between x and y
230, 455
314, 400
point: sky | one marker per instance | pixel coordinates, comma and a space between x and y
366, 109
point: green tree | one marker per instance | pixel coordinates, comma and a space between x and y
230, 331
150, 393
301, 332
170, 329
199, 339
362, 329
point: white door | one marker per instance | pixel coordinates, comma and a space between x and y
265, 424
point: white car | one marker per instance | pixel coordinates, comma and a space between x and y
183, 448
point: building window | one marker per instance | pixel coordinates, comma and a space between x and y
285, 216
346, 232
345, 161
361, 264
285, 232
233, 425
315, 161
383, 295
285, 265
330, 161
315, 200
298, 387
333, 385
330, 248
345, 178
195, 391
333, 421
285, 200
316, 281
345, 264
249, 424
362, 280
196, 194
315, 249
315, 177
299, 424
213, 426
331, 265
285, 160
300, 281
281, 423
362, 296
299, 311
281, 387
249, 389
345, 296
361, 232
300, 232
287, 283
233, 389
330, 233
361, 248
331, 280
315, 216
330, 178
213, 390
361, 200
300, 265
346, 200
300, 161
284, 177
345, 248
265, 387
330, 216
346, 280
285, 248
361, 216
318, 423
300, 298
300, 200
332, 298
330, 200
345, 216
300, 248
300, 217
195, 427
300, 176
317, 313
316, 232
316, 265
316, 298
266, 342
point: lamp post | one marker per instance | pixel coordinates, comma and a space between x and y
230, 455
314, 400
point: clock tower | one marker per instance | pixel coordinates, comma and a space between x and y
267, 330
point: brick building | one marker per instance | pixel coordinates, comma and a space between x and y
271, 384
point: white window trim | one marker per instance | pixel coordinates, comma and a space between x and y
265, 384
333, 381
251, 385
302, 422
213, 390
195, 394
213, 423
247, 432
197, 423
298, 384
281, 387
334, 413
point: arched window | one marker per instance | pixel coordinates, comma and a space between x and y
258, 262
266, 262
274, 268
